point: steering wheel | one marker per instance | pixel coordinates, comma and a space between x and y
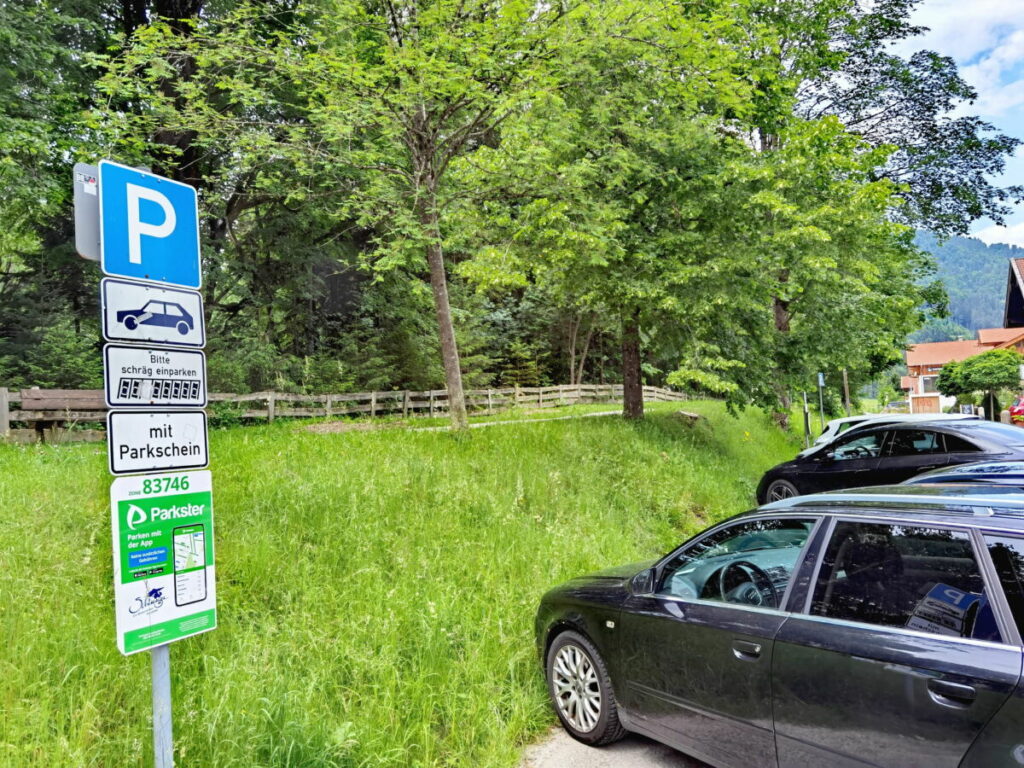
754, 574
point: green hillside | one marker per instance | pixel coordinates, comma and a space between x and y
975, 278
376, 589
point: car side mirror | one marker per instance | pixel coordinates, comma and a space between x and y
829, 456
643, 582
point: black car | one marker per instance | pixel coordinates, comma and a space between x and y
166, 314
1003, 473
891, 454
880, 627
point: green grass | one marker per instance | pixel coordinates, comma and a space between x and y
376, 589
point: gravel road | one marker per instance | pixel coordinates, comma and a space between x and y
558, 750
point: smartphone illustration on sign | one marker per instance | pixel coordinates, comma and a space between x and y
189, 564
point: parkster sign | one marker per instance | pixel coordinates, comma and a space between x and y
164, 578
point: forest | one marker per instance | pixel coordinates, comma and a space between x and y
715, 196
974, 275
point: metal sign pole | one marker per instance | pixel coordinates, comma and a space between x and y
821, 400
163, 738
807, 423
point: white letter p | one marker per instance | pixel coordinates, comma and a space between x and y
138, 228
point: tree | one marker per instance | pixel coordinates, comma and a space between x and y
989, 372
606, 192
841, 52
390, 92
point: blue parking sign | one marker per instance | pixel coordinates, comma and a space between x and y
149, 226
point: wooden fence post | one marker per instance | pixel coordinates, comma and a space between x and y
431, 403
516, 400
271, 406
490, 403
373, 405
327, 407
405, 404
5, 415
540, 397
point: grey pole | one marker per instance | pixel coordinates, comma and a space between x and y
163, 739
821, 403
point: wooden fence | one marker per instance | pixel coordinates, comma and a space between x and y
48, 413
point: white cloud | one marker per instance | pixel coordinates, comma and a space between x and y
965, 28
986, 38
1012, 235
996, 95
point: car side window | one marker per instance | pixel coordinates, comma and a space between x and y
750, 563
909, 576
1008, 557
913, 442
864, 447
173, 311
956, 444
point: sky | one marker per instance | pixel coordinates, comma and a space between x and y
986, 39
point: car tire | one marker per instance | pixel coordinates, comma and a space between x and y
182, 327
581, 691
131, 322
780, 489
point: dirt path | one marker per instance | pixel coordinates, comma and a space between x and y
558, 750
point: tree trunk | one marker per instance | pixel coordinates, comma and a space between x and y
574, 326
446, 331
632, 389
583, 355
780, 312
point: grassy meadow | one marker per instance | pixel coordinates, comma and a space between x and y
376, 589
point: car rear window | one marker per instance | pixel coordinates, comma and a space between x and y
1008, 556
955, 444
1003, 434
921, 578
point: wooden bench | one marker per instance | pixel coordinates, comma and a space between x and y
50, 410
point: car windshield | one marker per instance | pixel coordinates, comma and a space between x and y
749, 562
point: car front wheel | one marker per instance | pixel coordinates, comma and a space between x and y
183, 328
779, 490
581, 691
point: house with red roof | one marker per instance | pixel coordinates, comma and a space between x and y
924, 361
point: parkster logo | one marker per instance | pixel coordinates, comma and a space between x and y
136, 516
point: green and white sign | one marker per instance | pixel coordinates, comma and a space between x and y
164, 580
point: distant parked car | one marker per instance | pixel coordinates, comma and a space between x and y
837, 427
1005, 473
1017, 412
166, 314
879, 627
883, 455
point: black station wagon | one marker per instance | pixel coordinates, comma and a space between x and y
876, 627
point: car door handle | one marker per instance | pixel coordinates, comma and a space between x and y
952, 694
744, 650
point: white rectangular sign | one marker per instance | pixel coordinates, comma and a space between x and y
155, 441
143, 313
164, 579
87, 211
142, 377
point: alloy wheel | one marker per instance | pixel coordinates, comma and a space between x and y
576, 688
779, 492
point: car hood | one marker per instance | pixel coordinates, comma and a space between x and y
618, 573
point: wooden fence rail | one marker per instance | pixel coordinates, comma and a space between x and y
49, 412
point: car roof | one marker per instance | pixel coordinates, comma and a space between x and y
1009, 472
964, 500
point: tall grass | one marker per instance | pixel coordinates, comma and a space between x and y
376, 589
